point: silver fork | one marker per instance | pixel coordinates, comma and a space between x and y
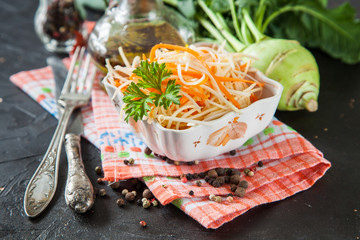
75, 93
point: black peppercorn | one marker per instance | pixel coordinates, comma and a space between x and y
156, 155
233, 187
98, 170
126, 162
147, 194
169, 161
212, 174
189, 176
191, 193
120, 202
190, 163
227, 179
147, 151
163, 157
260, 164
206, 178
216, 183
221, 180
220, 171
102, 192
129, 196
240, 192
230, 195
243, 184
235, 179
198, 183
211, 180
202, 175
228, 171
232, 152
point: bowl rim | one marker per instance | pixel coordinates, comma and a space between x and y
276, 85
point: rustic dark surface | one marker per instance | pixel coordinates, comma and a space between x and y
329, 210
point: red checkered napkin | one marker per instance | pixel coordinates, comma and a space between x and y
291, 163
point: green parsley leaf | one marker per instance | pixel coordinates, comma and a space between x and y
138, 104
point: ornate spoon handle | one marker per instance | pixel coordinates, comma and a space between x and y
79, 192
42, 186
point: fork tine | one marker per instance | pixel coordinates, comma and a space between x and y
90, 83
81, 83
77, 73
70, 72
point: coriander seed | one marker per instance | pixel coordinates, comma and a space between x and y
120, 202
212, 197
124, 191
102, 192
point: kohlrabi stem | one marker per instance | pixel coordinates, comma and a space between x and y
235, 20
250, 24
171, 2
214, 32
222, 22
246, 34
309, 11
259, 15
235, 43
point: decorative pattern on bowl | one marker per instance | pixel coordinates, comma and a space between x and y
213, 138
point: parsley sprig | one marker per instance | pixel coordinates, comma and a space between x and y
138, 103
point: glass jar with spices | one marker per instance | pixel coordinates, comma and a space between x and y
136, 26
58, 24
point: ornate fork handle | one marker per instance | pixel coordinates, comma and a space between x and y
79, 192
43, 183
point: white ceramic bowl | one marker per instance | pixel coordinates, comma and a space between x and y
218, 136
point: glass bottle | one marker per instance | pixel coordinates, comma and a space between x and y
136, 26
58, 23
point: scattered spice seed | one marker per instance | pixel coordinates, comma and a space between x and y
184, 179
326, 129
240, 192
235, 179
147, 151
243, 184
124, 192
98, 170
147, 194
230, 195
144, 200
250, 173
220, 171
131, 161
129, 197
114, 185
212, 197
126, 162
196, 162
169, 161
155, 203
260, 164
176, 163
189, 176
190, 163
120, 202
100, 181
102, 192
246, 171
233, 187
198, 183
212, 174
232, 152
216, 183
218, 199
143, 223
191, 193
134, 192
146, 204
230, 198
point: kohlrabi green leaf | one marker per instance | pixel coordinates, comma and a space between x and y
335, 31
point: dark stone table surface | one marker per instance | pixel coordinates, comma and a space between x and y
328, 210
